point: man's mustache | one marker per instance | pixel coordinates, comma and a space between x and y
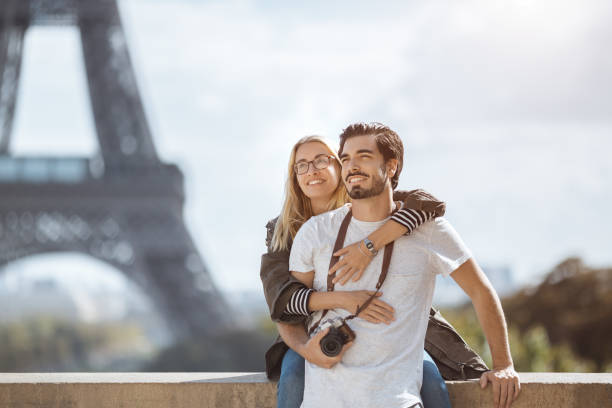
355, 174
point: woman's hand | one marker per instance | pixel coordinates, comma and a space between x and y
376, 312
352, 264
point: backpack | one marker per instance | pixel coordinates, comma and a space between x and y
454, 358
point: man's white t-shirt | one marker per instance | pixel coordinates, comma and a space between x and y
383, 368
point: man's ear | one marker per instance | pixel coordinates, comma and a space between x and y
391, 167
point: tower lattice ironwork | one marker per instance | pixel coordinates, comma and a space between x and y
123, 206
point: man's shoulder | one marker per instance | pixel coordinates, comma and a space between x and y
426, 233
436, 223
442, 232
324, 225
435, 226
439, 224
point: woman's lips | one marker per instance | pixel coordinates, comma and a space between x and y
315, 182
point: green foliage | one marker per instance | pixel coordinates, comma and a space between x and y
573, 308
562, 325
531, 350
46, 343
239, 350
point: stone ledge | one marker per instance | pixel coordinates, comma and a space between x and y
229, 390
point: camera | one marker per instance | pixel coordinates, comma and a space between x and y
339, 334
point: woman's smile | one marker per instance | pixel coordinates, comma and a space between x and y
316, 182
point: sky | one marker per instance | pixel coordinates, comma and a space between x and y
505, 110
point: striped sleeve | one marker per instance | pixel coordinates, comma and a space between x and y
412, 219
298, 303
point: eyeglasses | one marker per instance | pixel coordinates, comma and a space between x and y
320, 162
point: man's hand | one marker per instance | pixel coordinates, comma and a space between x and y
311, 351
377, 311
506, 385
354, 260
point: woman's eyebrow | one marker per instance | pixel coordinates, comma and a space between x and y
304, 160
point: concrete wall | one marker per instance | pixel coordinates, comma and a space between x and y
225, 390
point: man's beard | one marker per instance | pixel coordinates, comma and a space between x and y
378, 186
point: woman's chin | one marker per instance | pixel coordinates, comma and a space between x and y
316, 194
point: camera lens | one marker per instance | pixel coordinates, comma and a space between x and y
331, 344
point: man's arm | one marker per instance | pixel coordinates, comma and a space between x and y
504, 379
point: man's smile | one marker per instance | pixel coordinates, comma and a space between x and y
355, 178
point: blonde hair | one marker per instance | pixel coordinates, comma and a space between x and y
297, 208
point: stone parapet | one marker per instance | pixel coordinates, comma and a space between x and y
229, 390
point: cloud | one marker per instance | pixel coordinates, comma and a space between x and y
504, 108
515, 61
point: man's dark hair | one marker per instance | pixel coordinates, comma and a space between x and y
388, 142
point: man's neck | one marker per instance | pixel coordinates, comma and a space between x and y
375, 208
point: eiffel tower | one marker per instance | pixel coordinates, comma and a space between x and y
124, 206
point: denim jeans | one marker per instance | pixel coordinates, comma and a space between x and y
433, 391
290, 391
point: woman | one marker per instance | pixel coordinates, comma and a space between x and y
291, 302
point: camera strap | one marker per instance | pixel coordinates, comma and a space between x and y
381, 280
338, 246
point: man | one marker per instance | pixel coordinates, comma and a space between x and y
382, 366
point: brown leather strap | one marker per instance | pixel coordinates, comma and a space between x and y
338, 246
385, 264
